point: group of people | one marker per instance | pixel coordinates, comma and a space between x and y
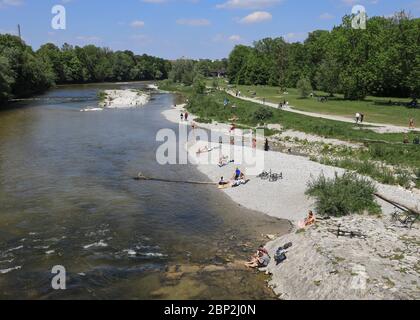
184, 116
238, 178
262, 258
360, 117
283, 104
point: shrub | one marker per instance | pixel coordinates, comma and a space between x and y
262, 114
341, 196
304, 87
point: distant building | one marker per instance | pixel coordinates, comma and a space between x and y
218, 73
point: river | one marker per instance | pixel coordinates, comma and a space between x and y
67, 197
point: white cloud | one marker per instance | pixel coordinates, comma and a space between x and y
295, 36
222, 38
235, 38
326, 16
256, 17
137, 24
10, 3
248, 4
194, 22
154, 1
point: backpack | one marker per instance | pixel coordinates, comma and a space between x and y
280, 255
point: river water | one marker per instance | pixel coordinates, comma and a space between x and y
67, 198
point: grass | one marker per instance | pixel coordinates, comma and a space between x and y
386, 148
101, 96
376, 109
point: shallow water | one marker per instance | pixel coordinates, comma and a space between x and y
67, 198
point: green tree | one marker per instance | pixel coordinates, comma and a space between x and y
304, 87
199, 84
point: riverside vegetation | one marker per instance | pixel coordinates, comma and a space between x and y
24, 72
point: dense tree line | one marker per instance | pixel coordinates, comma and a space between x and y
186, 70
24, 72
382, 60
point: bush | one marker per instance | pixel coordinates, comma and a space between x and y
199, 85
304, 87
262, 114
341, 196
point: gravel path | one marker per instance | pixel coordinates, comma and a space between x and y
378, 127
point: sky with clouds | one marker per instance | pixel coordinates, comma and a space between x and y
176, 28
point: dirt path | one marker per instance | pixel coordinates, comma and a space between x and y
378, 127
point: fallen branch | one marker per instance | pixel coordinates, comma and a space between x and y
398, 205
145, 178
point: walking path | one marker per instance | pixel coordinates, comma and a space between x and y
379, 127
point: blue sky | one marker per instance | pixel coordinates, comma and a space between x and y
176, 28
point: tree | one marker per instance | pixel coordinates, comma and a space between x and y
183, 72
238, 59
328, 76
199, 84
304, 87
6, 80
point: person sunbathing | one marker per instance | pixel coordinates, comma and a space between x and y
205, 149
224, 161
310, 220
222, 182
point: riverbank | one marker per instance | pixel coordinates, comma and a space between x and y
286, 199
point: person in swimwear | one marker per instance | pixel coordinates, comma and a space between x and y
310, 220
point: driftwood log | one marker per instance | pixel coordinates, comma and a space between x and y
142, 177
398, 205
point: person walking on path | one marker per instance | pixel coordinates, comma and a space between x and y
411, 124
358, 117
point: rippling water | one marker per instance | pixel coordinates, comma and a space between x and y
67, 197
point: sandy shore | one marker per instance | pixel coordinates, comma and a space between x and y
284, 199
321, 265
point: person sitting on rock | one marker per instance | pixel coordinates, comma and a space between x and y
222, 182
310, 220
261, 261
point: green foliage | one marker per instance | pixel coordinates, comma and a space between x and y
263, 114
304, 87
343, 195
6, 80
199, 85
24, 72
382, 60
